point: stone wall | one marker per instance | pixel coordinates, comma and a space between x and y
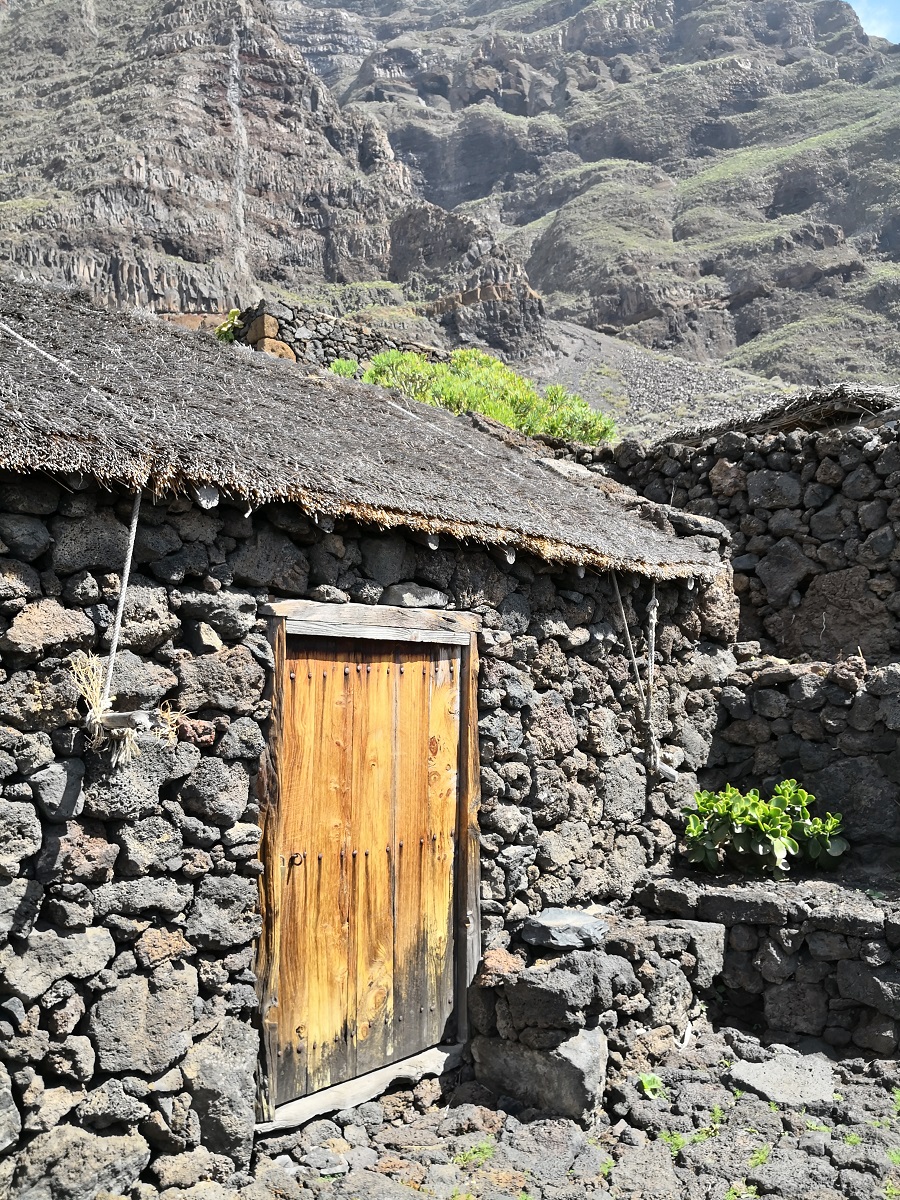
815, 518
588, 1001
315, 338
128, 898
833, 727
806, 958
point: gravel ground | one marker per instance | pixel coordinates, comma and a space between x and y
728, 1117
645, 392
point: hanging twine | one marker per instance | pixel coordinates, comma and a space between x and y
120, 607
646, 696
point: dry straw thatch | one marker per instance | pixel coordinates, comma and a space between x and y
132, 401
824, 408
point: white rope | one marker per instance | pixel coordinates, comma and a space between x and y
120, 607
38, 350
628, 643
652, 609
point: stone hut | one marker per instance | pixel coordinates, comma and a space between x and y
387, 687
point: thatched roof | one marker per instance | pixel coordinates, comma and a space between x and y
825, 408
132, 401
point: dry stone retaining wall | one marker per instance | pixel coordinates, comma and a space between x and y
128, 896
806, 958
317, 339
815, 519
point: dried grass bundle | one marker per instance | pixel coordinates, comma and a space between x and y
115, 730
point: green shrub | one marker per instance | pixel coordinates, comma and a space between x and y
345, 367
757, 835
473, 381
674, 1140
226, 331
652, 1086
760, 1156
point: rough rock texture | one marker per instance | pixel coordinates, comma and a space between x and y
195, 115
697, 177
567, 1079
814, 520
698, 1137
72, 1164
129, 895
803, 958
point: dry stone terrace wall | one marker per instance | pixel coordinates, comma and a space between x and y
316, 339
128, 897
801, 958
815, 520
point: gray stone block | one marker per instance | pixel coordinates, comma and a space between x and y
567, 1081
10, 1119
565, 929
219, 1073
789, 1079
71, 1164
20, 900
58, 789
876, 987
48, 956
224, 912
20, 835
145, 1029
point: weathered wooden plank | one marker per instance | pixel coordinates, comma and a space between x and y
379, 633
373, 614
410, 823
372, 937
302, 686
468, 872
357, 1091
327, 915
443, 793
270, 883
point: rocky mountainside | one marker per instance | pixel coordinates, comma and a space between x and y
716, 178
179, 154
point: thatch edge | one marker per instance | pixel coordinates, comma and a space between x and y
141, 475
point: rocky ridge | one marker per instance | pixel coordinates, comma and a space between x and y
183, 157
710, 179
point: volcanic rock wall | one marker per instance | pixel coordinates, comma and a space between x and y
128, 898
815, 520
316, 338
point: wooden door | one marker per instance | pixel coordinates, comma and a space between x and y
368, 806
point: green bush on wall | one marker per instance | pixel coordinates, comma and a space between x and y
345, 367
756, 835
473, 381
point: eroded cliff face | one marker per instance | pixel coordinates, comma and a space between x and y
714, 178
179, 154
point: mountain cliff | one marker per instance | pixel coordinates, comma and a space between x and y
716, 178
179, 154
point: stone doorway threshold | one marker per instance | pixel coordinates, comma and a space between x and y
357, 1091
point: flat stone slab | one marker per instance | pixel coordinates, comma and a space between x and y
565, 929
787, 1079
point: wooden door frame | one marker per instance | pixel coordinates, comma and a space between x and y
307, 618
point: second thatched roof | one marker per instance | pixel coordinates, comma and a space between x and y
824, 408
132, 401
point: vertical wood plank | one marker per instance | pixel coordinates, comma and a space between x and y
468, 872
372, 936
443, 800
327, 917
300, 687
410, 823
270, 883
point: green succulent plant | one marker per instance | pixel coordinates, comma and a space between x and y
760, 836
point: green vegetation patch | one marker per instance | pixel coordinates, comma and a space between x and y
756, 835
473, 381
